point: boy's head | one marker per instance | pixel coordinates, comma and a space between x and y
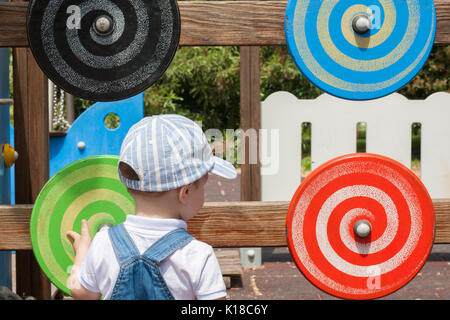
168, 152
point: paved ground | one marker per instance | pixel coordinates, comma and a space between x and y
279, 279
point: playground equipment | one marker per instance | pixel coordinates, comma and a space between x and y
86, 189
90, 135
360, 50
236, 23
360, 226
8, 156
103, 50
78, 149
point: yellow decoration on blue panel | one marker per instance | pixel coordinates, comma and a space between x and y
9, 155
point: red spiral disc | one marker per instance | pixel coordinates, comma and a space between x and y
384, 194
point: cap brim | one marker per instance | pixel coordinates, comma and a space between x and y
223, 169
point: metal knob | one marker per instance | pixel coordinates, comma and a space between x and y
361, 24
362, 228
8, 155
81, 145
103, 25
251, 254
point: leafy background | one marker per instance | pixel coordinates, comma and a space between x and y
203, 83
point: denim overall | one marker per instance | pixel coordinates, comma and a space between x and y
140, 277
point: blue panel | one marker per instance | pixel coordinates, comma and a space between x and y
13, 168
5, 177
90, 129
4, 124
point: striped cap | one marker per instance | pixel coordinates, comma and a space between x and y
167, 152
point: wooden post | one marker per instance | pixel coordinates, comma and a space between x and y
250, 119
32, 168
70, 108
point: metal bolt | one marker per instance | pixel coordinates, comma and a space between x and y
362, 228
81, 145
103, 25
361, 24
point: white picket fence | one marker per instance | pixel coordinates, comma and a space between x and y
389, 122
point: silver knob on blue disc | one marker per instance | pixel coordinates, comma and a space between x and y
361, 24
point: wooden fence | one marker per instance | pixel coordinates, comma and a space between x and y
247, 24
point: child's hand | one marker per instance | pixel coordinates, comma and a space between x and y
81, 242
81, 245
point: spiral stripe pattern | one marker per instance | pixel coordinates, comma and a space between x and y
353, 188
87, 189
136, 52
342, 62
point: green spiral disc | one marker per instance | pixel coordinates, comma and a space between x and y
87, 189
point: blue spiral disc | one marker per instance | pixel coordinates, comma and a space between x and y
328, 50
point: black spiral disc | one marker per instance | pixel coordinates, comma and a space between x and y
103, 50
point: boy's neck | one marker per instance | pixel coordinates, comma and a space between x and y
155, 205
150, 213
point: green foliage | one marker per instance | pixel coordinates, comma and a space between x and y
416, 140
306, 165
306, 139
112, 121
80, 105
203, 83
279, 73
361, 134
433, 77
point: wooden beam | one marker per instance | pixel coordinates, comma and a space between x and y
241, 224
212, 23
239, 23
442, 21
221, 224
15, 227
13, 25
32, 167
442, 210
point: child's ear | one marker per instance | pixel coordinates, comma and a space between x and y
183, 194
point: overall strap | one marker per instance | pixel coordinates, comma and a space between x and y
123, 245
168, 244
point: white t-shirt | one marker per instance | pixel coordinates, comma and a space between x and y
192, 272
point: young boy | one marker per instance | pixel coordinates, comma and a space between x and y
164, 162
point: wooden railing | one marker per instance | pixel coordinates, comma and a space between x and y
247, 24
220, 224
212, 23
